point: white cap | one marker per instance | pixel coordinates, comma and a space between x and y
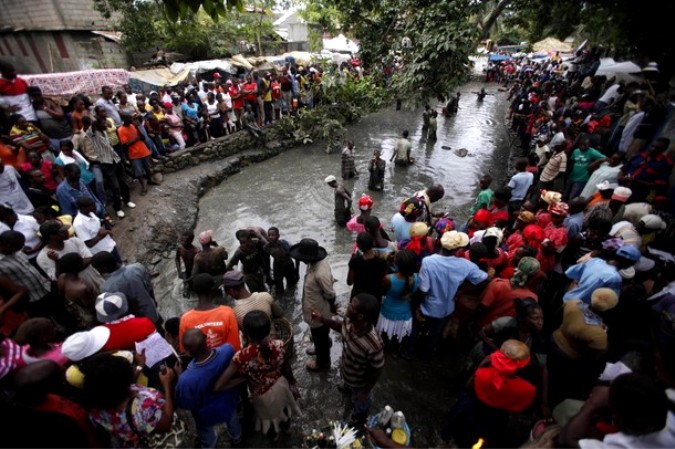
330, 179
653, 222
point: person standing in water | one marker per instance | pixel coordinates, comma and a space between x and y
343, 201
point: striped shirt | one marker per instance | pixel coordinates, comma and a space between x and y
556, 165
361, 355
17, 268
11, 357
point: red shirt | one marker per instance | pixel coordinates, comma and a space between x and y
237, 103
498, 299
253, 94
126, 332
46, 168
11, 88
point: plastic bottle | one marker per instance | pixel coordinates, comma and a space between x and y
385, 416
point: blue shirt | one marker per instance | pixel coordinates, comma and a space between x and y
574, 224
591, 275
67, 198
440, 277
191, 110
194, 390
401, 227
519, 184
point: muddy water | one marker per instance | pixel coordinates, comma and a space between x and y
288, 192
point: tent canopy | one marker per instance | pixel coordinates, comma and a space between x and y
494, 57
609, 66
341, 43
551, 44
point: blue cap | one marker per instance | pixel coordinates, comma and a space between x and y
629, 252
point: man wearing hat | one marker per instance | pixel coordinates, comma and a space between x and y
112, 310
134, 281
343, 201
600, 272
317, 294
440, 277
614, 208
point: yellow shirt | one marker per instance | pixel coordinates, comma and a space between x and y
268, 87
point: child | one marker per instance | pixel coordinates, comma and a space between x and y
485, 195
283, 265
186, 252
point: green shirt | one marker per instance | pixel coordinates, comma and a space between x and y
483, 200
581, 161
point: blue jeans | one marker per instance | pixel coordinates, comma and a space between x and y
207, 434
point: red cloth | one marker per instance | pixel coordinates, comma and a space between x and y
497, 385
126, 332
14, 87
499, 214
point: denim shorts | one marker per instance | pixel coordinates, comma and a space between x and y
141, 167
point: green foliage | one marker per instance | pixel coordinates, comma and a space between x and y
198, 34
442, 34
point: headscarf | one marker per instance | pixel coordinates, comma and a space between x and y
527, 267
533, 235
560, 209
444, 225
551, 197
483, 216
365, 202
527, 217
498, 386
205, 237
418, 234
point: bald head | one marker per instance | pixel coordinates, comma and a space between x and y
194, 342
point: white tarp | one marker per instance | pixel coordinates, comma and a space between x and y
341, 43
160, 76
609, 66
223, 65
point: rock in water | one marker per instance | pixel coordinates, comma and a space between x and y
462, 152
445, 147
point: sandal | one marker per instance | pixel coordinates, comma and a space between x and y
313, 366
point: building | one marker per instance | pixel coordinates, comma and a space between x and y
46, 36
293, 29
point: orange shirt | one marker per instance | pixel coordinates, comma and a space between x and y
9, 157
219, 325
137, 150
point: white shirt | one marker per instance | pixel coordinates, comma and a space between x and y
87, 227
11, 192
227, 99
167, 99
519, 184
610, 94
72, 245
26, 225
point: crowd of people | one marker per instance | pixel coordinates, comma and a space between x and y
557, 295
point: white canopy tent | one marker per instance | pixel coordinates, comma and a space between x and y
626, 71
341, 43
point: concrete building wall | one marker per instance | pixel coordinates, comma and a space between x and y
60, 51
51, 15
